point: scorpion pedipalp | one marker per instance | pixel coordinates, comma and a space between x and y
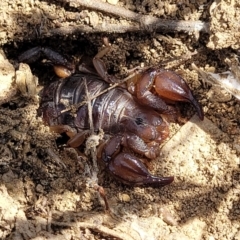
171, 86
157, 88
130, 170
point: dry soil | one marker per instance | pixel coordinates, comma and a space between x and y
45, 190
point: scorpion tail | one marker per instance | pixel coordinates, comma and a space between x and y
130, 170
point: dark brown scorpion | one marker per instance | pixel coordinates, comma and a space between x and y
129, 113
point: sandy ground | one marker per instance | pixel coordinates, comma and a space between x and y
45, 190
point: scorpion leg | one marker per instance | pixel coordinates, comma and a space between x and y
128, 168
136, 144
101, 69
76, 138
100, 66
62, 66
130, 141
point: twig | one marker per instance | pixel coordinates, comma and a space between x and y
169, 26
97, 228
107, 8
146, 23
49, 220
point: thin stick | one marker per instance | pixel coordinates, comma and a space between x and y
96, 227
147, 23
169, 26
105, 7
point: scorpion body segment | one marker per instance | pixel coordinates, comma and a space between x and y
114, 112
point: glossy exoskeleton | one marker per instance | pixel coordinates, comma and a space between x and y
130, 114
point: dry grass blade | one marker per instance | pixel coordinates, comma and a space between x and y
91, 149
91, 141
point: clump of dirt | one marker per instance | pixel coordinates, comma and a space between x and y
225, 17
45, 187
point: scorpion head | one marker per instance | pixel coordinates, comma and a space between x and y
147, 124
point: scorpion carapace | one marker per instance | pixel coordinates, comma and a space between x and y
129, 115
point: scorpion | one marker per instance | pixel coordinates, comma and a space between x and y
134, 115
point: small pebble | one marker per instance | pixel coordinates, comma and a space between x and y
93, 19
39, 188
113, 2
125, 197
167, 216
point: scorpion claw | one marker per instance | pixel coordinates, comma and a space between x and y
130, 170
172, 87
154, 181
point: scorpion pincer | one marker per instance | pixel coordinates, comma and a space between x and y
129, 115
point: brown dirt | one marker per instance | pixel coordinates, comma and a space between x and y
45, 191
